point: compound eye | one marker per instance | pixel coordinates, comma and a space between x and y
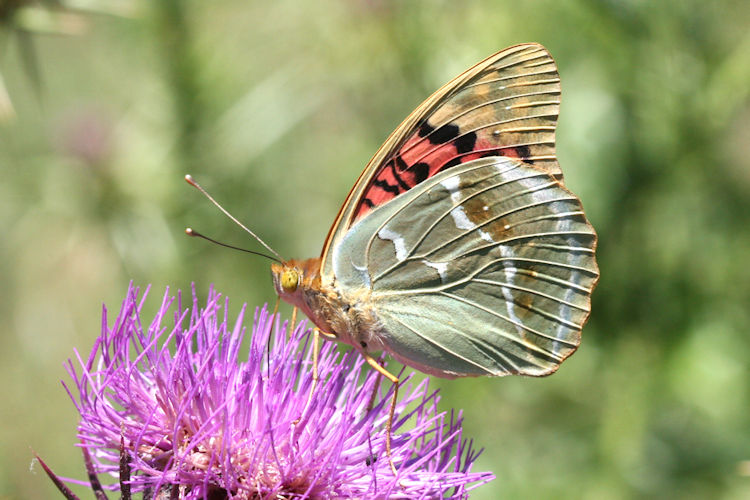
289, 280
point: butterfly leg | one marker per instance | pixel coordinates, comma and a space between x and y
290, 330
394, 379
276, 306
374, 394
316, 352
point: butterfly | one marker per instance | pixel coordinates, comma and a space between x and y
459, 251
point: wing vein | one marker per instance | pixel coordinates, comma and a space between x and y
512, 338
449, 351
531, 291
466, 132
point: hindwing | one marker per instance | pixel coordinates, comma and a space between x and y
483, 269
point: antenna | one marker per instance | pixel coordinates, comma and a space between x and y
190, 232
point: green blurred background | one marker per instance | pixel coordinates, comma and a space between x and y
276, 106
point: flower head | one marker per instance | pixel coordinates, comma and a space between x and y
195, 417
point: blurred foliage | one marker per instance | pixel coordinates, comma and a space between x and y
276, 106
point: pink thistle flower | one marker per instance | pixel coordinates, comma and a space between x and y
179, 409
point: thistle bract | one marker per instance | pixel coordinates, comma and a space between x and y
200, 416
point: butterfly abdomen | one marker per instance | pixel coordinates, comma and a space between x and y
357, 323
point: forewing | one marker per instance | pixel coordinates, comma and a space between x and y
484, 269
506, 105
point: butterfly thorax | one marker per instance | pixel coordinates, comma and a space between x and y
343, 316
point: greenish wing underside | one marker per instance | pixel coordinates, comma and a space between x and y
484, 269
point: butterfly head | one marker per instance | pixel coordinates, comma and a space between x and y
289, 280
286, 279
293, 279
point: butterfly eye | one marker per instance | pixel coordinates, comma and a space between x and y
289, 280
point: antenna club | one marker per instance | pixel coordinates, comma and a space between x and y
189, 180
189, 231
